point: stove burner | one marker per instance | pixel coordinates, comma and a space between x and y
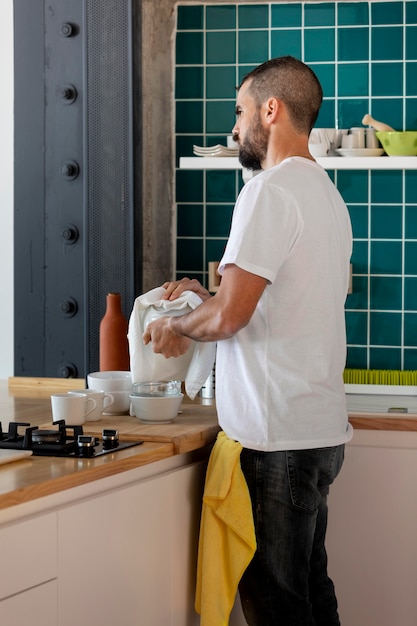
66, 440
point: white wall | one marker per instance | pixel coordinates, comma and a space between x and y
6, 189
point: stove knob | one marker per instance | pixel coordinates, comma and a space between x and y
86, 445
110, 438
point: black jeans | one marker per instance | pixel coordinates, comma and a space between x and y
286, 584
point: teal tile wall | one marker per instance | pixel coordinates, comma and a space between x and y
365, 55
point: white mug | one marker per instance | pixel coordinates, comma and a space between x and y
359, 132
120, 404
71, 408
102, 398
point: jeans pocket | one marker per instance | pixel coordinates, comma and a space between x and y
311, 472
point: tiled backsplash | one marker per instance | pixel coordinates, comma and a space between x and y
365, 55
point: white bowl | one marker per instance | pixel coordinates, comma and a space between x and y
156, 409
110, 381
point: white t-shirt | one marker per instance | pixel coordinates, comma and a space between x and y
279, 380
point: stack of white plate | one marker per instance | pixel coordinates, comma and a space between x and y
215, 151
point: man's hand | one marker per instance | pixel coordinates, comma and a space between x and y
164, 340
176, 288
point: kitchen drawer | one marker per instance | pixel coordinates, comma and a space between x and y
28, 553
36, 606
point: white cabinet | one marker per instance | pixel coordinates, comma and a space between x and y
28, 569
372, 534
36, 606
129, 556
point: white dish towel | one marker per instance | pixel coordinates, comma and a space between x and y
193, 367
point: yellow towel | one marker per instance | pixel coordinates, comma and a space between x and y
227, 535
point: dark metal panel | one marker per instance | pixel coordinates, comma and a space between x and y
29, 214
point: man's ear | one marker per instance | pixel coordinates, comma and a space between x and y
272, 108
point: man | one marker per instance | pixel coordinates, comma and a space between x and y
278, 318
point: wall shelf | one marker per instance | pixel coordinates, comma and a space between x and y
328, 163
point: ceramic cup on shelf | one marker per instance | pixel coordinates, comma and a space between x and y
103, 400
359, 133
73, 408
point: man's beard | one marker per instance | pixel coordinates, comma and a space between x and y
252, 151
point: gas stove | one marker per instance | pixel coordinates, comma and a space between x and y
63, 441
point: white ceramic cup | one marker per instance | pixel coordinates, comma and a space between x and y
120, 404
71, 408
359, 132
371, 140
350, 142
102, 398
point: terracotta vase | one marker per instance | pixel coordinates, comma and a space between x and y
114, 346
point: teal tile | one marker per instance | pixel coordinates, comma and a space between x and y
189, 48
189, 83
410, 359
356, 327
215, 249
387, 79
359, 219
411, 43
410, 229
410, 329
411, 12
190, 18
353, 79
243, 70
253, 16
386, 293
220, 116
189, 186
386, 186
353, 185
288, 15
285, 42
386, 43
200, 276
359, 257
410, 115
351, 112
221, 82
411, 79
253, 46
358, 299
410, 257
327, 114
319, 44
190, 220
410, 295
184, 144
221, 17
190, 254
385, 329
352, 13
389, 110
320, 14
386, 257
357, 358
325, 72
384, 359
353, 44
218, 219
221, 186
188, 116
386, 12
411, 194
221, 47
386, 221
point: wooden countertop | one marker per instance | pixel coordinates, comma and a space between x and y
195, 427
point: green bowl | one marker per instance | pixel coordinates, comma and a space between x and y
401, 143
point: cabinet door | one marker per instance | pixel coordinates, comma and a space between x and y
129, 556
36, 606
28, 554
